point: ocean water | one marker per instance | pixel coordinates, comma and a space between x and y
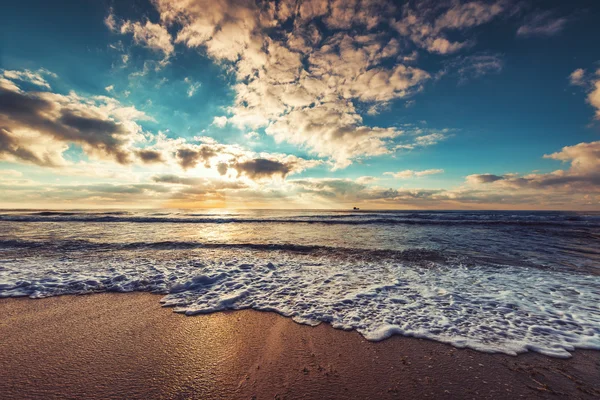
505, 282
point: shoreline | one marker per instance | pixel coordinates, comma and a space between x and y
125, 345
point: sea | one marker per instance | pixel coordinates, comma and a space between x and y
493, 281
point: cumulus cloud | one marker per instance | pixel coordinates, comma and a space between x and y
220, 122
591, 83
483, 178
574, 187
150, 156
262, 167
37, 127
542, 24
190, 156
301, 85
148, 34
583, 174
583, 157
577, 77
428, 28
408, 173
227, 160
252, 135
594, 97
249, 180
153, 36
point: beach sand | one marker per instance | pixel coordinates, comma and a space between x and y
127, 346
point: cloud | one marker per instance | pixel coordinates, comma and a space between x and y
153, 36
202, 183
290, 76
542, 24
252, 135
584, 157
575, 187
37, 127
577, 77
583, 174
594, 97
483, 178
193, 86
365, 180
190, 157
150, 156
251, 180
110, 21
148, 34
476, 65
270, 165
591, 83
33, 77
414, 138
10, 173
427, 27
262, 167
220, 122
414, 174
218, 159
329, 187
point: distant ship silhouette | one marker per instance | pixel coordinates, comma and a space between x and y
356, 208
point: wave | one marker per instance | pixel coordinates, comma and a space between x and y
336, 220
481, 307
76, 213
413, 254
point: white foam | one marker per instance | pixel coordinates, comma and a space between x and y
488, 308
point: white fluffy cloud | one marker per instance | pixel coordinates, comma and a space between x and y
37, 127
577, 77
594, 97
304, 87
590, 82
147, 34
34, 77
428, 28
582, 176
220, 122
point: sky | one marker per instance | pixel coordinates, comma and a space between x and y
452, 104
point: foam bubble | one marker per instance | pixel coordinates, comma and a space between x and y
489, 308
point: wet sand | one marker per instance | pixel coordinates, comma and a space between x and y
127, 346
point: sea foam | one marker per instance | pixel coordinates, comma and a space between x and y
487, 307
